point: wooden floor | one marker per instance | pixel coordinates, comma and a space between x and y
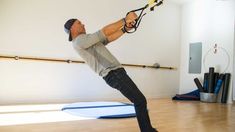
166, 115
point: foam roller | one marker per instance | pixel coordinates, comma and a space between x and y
225, 88
205, 82
211, 80
199, 85
219, 84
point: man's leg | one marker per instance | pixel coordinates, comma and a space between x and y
119, 80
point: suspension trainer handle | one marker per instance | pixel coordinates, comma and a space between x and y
141, 15
138, 20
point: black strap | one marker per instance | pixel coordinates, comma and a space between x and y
137, 21
141, 15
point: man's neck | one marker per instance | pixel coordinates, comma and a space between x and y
75, 35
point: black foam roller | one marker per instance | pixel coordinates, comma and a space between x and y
199, 85
205, 82
211, 80
225, 88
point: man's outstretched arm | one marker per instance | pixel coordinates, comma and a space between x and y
112, 28
114, 31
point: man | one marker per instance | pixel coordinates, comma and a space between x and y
91, 47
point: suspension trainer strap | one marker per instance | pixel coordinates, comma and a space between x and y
137, 21
141, 15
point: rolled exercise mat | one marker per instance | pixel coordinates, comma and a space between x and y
199, 85
100, 109
192, 96
211, 80
205, 82
219, 83
225, 88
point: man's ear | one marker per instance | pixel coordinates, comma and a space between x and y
73, 30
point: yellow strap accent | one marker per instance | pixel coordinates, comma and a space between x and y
151, 2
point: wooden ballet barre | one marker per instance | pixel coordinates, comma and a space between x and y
146, 66
40, 59
156, 65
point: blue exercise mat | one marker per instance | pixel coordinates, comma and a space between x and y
101, 109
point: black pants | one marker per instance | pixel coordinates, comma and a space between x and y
119, 80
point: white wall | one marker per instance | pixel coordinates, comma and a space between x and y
209, 22
35, 28
234, 66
